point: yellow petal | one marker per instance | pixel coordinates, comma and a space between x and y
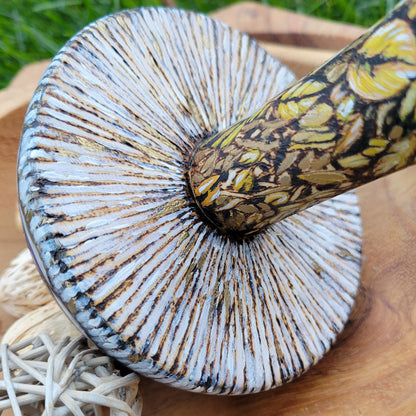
205, 185
304, 88
412, 12
408, 103
354, 161
376, 146
379, 142
251, 156
345, 108
244, 178
294, 109
382, 82
211, 197
372, 151
393, 40
248, 183
288, 110
317, 116
276, 198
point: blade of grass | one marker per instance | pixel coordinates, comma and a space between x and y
31, 30
50, 5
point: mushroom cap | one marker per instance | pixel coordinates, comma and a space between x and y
112, 226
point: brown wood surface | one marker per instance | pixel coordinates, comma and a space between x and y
372, 368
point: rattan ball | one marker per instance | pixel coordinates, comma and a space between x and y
47, 377
21, 287
48, 319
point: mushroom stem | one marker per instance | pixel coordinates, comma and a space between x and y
348, 122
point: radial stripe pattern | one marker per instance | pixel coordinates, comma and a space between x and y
104, 196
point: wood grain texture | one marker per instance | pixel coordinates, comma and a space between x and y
11, 240
285, 27
20, 90
372, 368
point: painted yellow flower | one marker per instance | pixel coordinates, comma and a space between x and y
395, 47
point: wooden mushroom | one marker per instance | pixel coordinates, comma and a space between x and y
154, 222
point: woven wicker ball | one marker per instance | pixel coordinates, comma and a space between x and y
48, 368
21, 288
47, 319
47, 377
24, 294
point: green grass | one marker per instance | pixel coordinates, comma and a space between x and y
31, 30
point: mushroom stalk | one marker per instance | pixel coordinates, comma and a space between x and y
348, 122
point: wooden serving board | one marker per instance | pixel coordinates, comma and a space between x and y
372, 368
